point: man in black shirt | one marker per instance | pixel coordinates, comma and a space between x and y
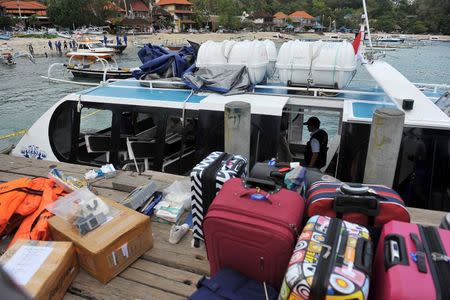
317, 147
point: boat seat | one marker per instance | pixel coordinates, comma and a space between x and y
146, 134
140, 149
333, 146
98, 144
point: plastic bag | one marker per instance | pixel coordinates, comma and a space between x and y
179, 193
67, 183
295, 178
83, 209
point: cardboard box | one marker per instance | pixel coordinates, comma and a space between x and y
44, 270
109, 249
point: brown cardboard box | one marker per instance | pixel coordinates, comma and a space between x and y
49, 271
109, 249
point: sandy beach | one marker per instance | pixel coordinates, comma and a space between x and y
40, 45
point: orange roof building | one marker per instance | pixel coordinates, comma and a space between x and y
180, 10
23, 8
280, 15
301, 14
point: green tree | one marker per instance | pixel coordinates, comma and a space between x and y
418, 27
201, 12
68, 13
228, 14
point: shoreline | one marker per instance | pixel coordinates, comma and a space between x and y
40, 45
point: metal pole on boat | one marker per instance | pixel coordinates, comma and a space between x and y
367, 24
237, 123
384, 146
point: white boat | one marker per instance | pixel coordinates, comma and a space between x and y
64, 34
170, 130
91, 47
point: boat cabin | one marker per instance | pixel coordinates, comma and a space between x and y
151, 125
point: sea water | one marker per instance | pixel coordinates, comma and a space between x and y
25, 96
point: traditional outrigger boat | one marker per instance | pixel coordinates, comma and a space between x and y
91, 65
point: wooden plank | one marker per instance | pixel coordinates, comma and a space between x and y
85, 286
181, 256
69, 296
177, 275
168, 279
426, 217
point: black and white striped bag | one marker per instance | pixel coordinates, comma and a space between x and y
207, 179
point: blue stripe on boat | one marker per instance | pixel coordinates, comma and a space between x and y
366, 110
145, 94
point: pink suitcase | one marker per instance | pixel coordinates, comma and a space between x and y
412, 263
252, 228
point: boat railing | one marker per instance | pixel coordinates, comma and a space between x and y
315, 92
434, 86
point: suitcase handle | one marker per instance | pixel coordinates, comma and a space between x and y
354, 189
368, 205
394, 251
364, 255
266, 185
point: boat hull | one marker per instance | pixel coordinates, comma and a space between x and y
98, 74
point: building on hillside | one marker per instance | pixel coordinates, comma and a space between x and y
279, 19
181, 11
262, 20
23, 9
138, 10
134, 14
301, 18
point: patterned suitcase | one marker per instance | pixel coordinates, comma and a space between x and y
368, 205
412, 262
207, 179
332, 260
252, 227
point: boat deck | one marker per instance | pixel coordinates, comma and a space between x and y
166, 271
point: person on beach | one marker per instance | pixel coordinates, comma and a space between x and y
317, 147
118, 40
50, 45
65, 45
125, 40
70, 45
105, 40
31, 49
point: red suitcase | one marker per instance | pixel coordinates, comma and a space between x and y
252, 227
367, 205
412, 263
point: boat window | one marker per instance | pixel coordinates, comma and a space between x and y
137, 138
61, 129
95, 135
179, 149
298, 134
94, 121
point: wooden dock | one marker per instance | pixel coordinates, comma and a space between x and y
166, 271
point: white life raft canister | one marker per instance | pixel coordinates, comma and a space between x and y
317, 64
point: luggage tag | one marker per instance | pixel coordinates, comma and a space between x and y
258, 196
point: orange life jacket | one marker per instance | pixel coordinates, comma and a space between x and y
35, 226
12, 194
22, 202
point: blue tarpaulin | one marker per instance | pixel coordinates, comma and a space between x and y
165, 63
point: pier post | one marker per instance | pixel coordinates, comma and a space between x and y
384, 146
237, 124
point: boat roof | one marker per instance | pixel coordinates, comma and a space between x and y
131, 92
357, 105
